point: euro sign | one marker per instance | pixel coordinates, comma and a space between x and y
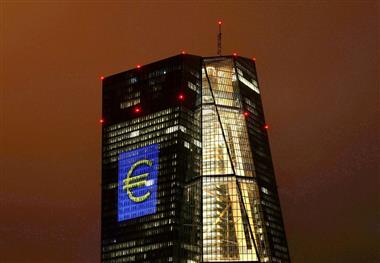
137, 181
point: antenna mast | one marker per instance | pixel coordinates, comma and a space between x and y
220, 38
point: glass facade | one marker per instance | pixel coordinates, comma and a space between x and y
215, 196
232, 223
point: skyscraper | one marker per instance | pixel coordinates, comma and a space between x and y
187, 174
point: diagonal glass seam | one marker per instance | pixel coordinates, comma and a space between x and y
247, 218
232, 164
258, 192
240, 191
219, 120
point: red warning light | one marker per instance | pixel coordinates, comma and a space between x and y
181, 97
101, 121
183, 52
235, 54
137, 110
219, 22
246, 113
266, 126
101, 77
138, 66
254, 59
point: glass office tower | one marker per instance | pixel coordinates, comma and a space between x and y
187, 174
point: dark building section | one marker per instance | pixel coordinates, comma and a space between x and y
153, 105
187, 174
259, 143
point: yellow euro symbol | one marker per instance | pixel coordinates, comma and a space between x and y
136, 181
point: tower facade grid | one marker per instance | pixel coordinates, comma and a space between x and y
187, 174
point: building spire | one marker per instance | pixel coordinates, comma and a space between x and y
219, 37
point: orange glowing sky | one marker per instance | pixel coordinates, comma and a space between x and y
318, 65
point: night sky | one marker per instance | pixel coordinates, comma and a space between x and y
318, 66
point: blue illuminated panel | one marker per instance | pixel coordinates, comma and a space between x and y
137, 183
